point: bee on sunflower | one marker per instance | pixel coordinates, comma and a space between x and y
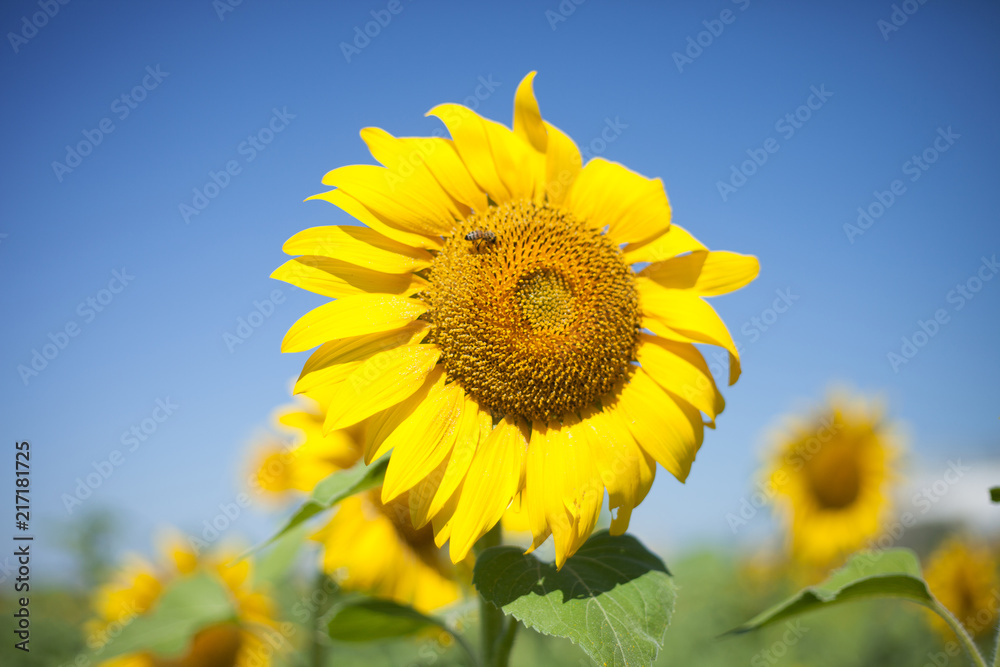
248, 640
512, 325
368, 546
832, 472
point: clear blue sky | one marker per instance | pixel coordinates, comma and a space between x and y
218, 81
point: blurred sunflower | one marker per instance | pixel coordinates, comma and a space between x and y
135, 589
962, 575
832, 472
314, 455
368, 546
491, 326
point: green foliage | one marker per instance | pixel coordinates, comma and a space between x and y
613, 597
890, 573
370, 619
995, 494
329, 492
188, 606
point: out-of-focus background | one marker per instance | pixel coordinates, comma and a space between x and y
157, 155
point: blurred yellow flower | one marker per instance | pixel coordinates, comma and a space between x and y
962, 575
491, 326
368, 546
374, 548
832, 473
247, 641
314, 456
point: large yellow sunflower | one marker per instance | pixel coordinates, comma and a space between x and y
962, 575
247, 641
493, 326
368, 546
832, 472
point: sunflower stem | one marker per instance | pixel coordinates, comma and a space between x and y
963, 635
317, 652
491, 620
506, 642
996, 648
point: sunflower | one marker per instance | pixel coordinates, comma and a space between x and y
510, 323
368, 546
831, 474
246, 641
314, 455
962, 575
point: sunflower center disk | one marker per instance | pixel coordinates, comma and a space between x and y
539, 318
834, 476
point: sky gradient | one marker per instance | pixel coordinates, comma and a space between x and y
158, 155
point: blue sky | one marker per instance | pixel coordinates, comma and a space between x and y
199, 82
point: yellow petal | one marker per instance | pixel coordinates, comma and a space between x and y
335, 360
405, 158
626, 469
671, 243
384, 226
446, 166
688, 315
562, 164
379, 382
358, 245
394, 197
474, 428
423, 440
489, 485
528, 122
680, 368
562, 486
633, 207
335, 278
505, 167
380, 426
660, 424
351, 316
705, 273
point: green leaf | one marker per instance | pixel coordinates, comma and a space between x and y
185, 608
333, 489
995, 494
613, 597
371, 619
891, 573
274, 566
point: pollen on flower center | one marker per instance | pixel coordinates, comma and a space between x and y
539, 318
546, 299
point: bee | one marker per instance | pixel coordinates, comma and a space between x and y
481, 235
